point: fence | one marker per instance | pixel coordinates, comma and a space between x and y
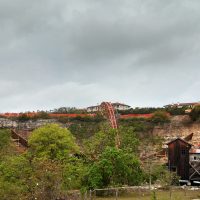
143, 193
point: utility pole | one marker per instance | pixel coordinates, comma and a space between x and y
150, 174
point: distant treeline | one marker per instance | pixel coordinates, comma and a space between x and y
149, 110
77, 114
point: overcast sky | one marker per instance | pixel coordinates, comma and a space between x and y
79, 53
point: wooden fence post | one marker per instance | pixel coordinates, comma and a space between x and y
90, 194
116, 194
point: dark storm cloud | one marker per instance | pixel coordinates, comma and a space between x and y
78, 53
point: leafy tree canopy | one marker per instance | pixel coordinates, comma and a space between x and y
106, 138
160, 117
114, 167
195, 113
21, 178
12, 174
4, 138
52, 142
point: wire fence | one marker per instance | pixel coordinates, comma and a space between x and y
143, 193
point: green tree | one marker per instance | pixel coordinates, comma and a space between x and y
195, 113
45, 170
13, 175
41, 115
160, 117
115, 167
160, 174
21, 178
74, 171
23, 117
45, 180
5, 143
95, 145
176, 111
52, 142
5, 138
128, 139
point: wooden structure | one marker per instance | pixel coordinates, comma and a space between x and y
194, 165
15, 136
178, 157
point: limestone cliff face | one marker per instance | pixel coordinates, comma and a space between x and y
179, 126
29, 125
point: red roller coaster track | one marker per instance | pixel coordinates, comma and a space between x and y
109, 111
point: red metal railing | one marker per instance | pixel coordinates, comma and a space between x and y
110, 113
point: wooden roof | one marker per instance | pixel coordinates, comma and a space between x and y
180, 140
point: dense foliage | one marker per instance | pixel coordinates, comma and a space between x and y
113, 168
52, 142
195, 113
39, 173
5, 138
68, 110
5, 144
147, 110
160, 117
137, 110
56, 162
176, 110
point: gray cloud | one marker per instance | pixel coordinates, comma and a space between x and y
78, 53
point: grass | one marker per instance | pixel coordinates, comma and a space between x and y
160, 195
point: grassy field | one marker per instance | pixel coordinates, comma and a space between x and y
160, 195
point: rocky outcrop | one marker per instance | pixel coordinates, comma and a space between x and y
28, 125
7, 123
179, 126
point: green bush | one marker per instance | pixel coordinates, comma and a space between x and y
41, 115
115, 167
138, 110
195, 113
176, 110
23, 118
160, 117
5, 138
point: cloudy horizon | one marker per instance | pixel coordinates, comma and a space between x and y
144, 53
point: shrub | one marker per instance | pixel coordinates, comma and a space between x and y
115, 167
23, 118
195, 113
160, 117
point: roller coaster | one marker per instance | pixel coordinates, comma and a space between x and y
107, 110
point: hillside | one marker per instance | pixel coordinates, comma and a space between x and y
83, 128
179, 126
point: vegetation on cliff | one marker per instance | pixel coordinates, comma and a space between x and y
84, 156
195, 113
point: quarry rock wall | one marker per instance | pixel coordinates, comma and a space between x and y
29, 125
179, 126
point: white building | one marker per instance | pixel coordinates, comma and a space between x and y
121, 106
195, 155
117, 106
93, 108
